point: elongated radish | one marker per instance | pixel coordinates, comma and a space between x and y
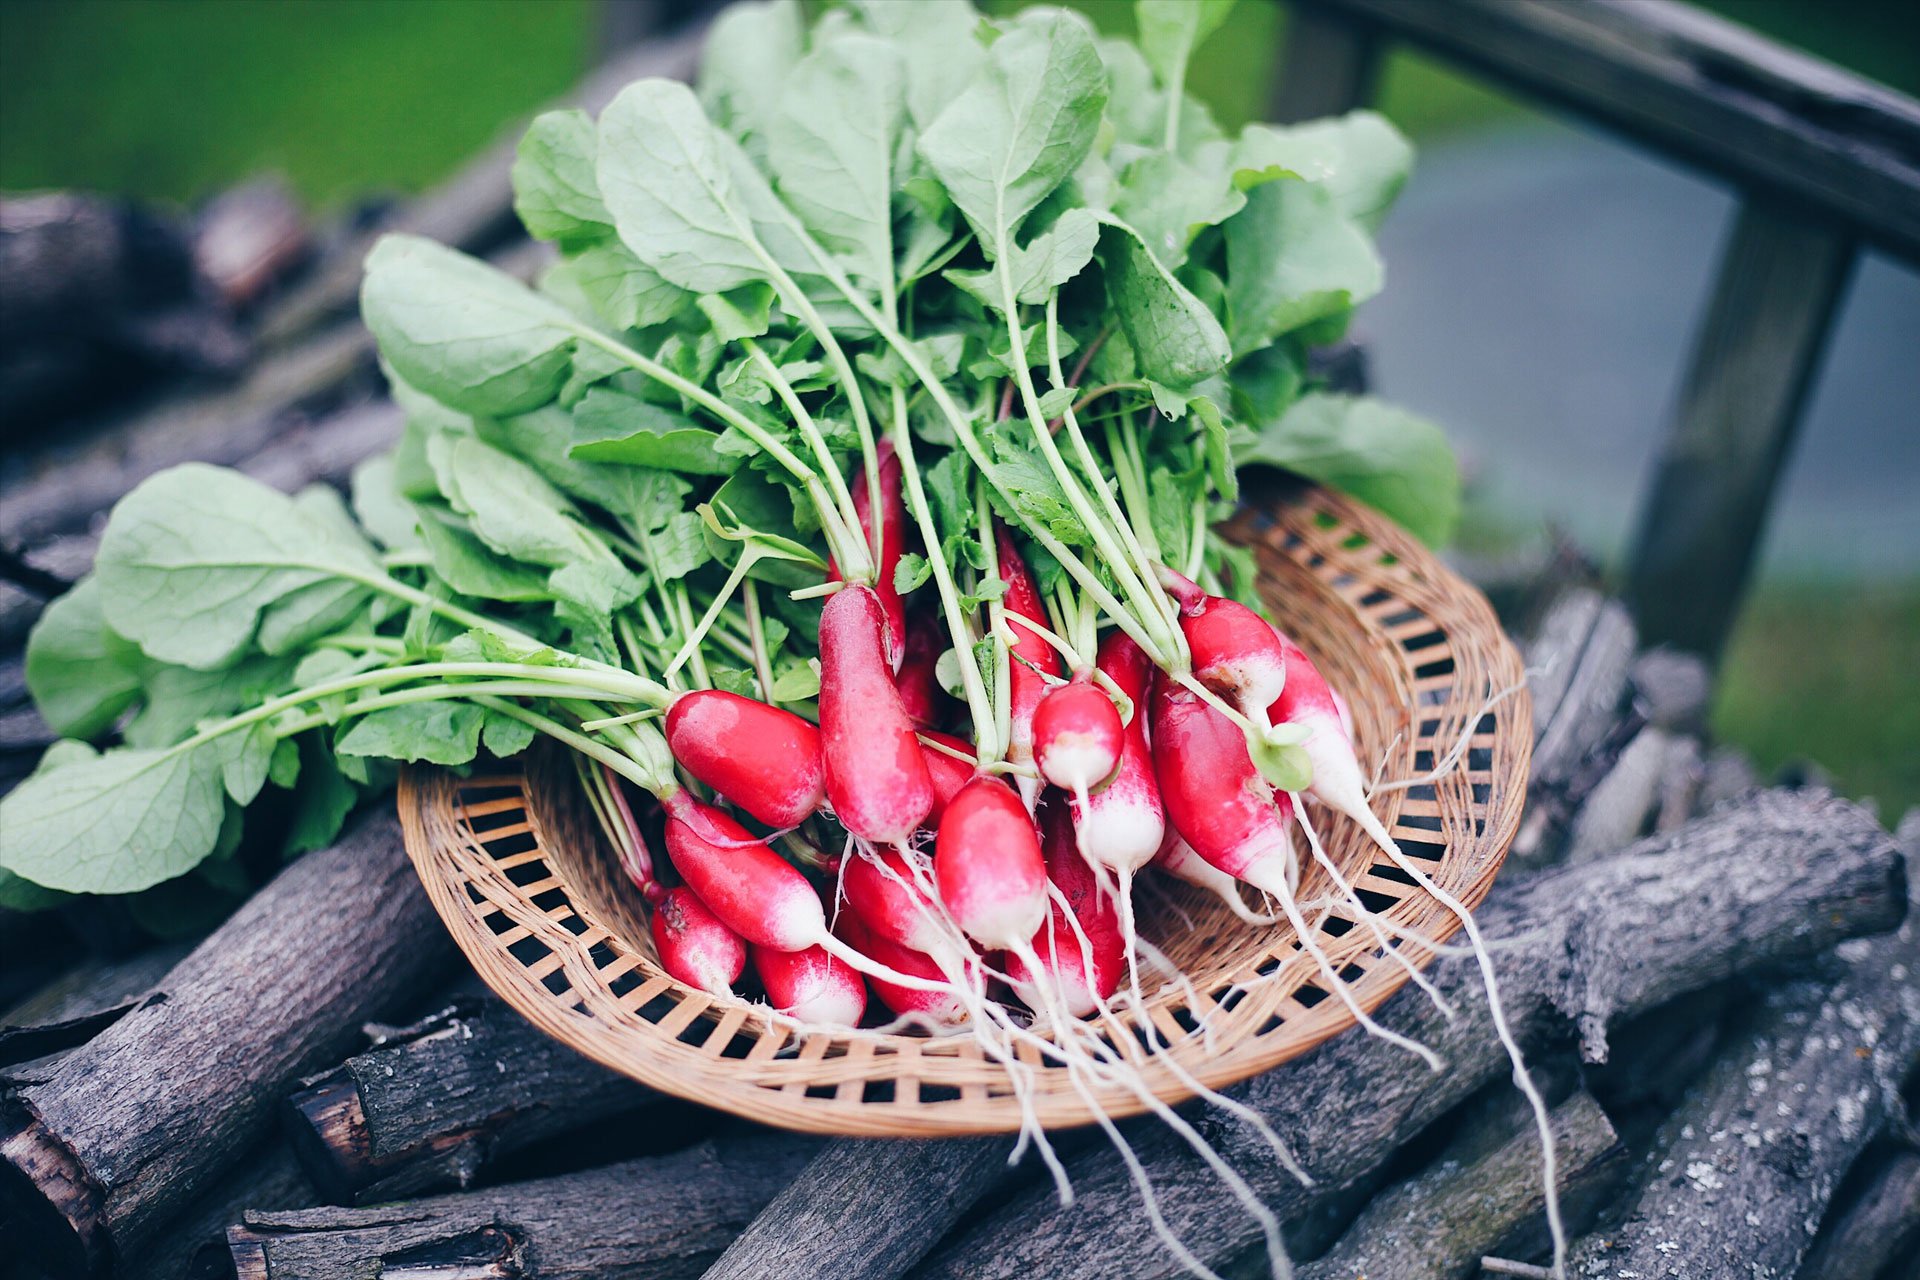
1032, 659
893, 541
1123, 824
1057, 943
1236, 652
695, 946
762, 758
754, 891
882, 889
987, 863
1215, 798
876, 772
812, 986
936, 1006
948, 772
918, 678
1177, 859
1077, 736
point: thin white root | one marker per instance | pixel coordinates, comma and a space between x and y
1372, 920
1457, 752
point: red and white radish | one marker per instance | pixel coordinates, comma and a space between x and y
1123, 824
1077, 736
893, 542
752, 889
935, 1006
694, 945
947, 770
987, 863
762, 758
1031, 659
1082, 976
918, 678
1177, 859
1236, 652
811, 986
1215, 798
884, 890
876, 772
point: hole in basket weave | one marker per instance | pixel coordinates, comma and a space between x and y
1373, 901
1438, 667
529, 951
939, 1093
877, 1091
1336, 926
529, 872
1426, 849
480, 824
1425, 640
1309, 995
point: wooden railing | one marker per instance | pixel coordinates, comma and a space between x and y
1824, 163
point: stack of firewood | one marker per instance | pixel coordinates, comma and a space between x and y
1712, 980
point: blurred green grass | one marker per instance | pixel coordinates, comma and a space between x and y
177, 99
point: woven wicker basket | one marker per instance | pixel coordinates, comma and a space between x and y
517, 870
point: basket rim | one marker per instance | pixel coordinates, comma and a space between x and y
819, 1083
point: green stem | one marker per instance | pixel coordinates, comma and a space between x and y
1133, 488
690, 648
683, 610
444, 693
979, 705
996, 626
624, 765
757, 639
841, 533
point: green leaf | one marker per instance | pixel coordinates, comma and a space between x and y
1031, 487
1176, 340
755, 501
1170, 30
621, 289
471, 568
747, 57
118, 822
1022, 126
668, 177
1293, 258
554, 190
1360, 158
81, 674
504, 737
321, 804
611, 426
938, 41
194, 556
443, 732
832, 143
180, 698
1381, 455
795, 680
679, 548
381, 508
1168, 199
910, 572
246, 758
463, 332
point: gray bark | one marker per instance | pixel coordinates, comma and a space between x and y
435, 1106
1881, 1225
124, 1132
658, 1218
82, 1002
844, 1218
1436, 1226
1619, 807
1674, 689
194, 1245
1784, 877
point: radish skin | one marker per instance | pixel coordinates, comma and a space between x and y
1236, 652
893, 541
988, 865
876, 773
811, 986
1077, 736
949, 773
1057, 943
1031, 660
1177, 859
1215, 799
918, 678
753, 890
694, 945
762, 758
945, 1008
1123, 824
882, 889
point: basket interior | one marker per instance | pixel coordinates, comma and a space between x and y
522, 877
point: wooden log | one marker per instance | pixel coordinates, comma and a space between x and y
1683, 776
843, 1218
194, 1245
1578, 662
1673, 688
1740, 1175
1437, 1226
82, 1002
1879, 1225
665, 1216
1728, 777
1622, 803
128, 1129
1583, 948
435, 1105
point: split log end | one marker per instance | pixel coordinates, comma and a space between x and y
46, 1192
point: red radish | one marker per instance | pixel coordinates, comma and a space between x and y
1178, 859
918, 678
762, 758
1032, 659
876, 772
694, 945
949, 772
883, 891
1309, 702
1077, 736
812, 986
752, 889
937, 1006
893, 541
1057, 943
1235, 651
1123, 824
987, 864
1215, 798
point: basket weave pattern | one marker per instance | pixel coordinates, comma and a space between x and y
538, 903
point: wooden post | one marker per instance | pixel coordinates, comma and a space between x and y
1331, 64
1773, 305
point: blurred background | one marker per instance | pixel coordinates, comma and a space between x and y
1544, 280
